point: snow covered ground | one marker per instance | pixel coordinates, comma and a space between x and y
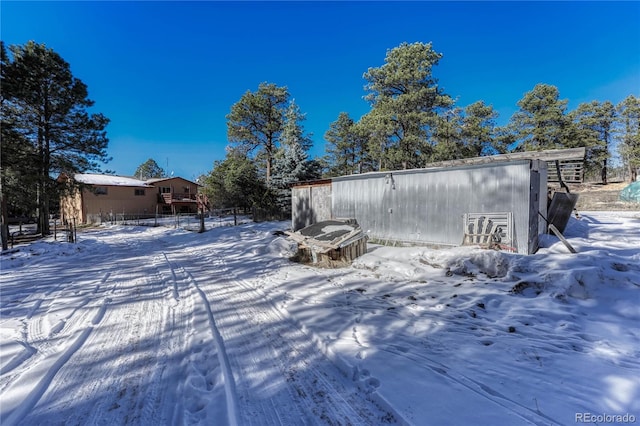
148, 326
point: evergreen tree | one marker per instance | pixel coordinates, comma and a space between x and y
149, 170
347, 147
479, 132
363, 161
233, 183
18, 170
383, 149
405, 99
447, 136
339, 145
255, 122
292, 162
541, 122
506, 139
629, 134
465, 132
293, 129
51, 106
594, 130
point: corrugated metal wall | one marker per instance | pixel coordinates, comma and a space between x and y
428, 205
310, 204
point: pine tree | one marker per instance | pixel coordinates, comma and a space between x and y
594, 130
52, 108
255, 122
347, 147
233, 183
149, 170
292, 162
629, 134
18, 160
447, 136
405, 99
541, 122
479, 132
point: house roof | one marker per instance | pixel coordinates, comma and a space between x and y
155, 180
114, 180
109, 180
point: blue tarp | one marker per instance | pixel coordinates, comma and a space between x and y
631, 193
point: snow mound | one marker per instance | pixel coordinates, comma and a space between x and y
279, 247
493, 264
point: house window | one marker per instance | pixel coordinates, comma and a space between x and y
100, 190
139, 191
165, 190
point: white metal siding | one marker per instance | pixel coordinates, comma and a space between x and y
428, 205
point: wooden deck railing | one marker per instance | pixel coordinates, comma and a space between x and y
178, 196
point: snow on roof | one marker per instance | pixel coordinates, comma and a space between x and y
111, 180
155, 180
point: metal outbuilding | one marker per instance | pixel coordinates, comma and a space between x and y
436, 205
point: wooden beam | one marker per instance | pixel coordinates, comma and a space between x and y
571, 154
562, 238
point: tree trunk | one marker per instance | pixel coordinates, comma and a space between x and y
268, 169
604, 172
201, 220
43, 191
46, 166
4, 230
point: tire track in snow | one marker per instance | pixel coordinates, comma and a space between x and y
259, 366
124, 363
267, 341
14, 405
176, 294
150, 346
134, 364
27, 352
68, 320
103, 363
176, 329
332, 400
223, 359
37, 336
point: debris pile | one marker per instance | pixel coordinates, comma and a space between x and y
330, 243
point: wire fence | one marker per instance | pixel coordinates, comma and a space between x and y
67, 231
189, 222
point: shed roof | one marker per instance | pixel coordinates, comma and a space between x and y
570, 154
570, 161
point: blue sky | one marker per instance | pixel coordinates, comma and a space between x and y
167, 73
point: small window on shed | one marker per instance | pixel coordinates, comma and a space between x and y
100, 190
139, 191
